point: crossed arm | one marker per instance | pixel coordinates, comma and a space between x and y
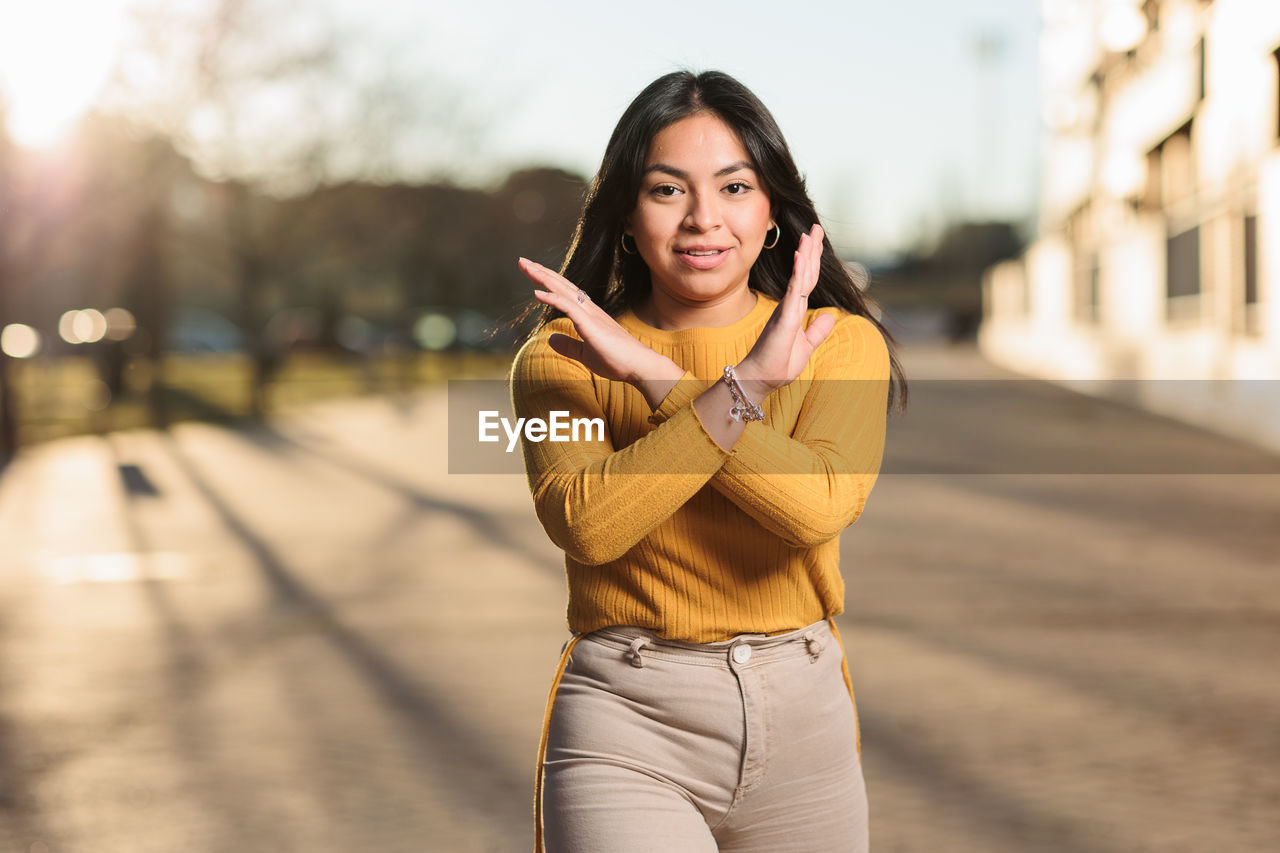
803, 480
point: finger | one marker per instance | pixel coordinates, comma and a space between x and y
566, 306
798, 264
541, 275
797, 274
816, 332
815, 256
563, 299
548, 278
795, 300
566, 346
813, 251
529, 268
552, 299
804, 269
806, 272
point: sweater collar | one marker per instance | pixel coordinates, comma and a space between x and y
749, 325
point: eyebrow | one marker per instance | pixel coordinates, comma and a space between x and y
684, 176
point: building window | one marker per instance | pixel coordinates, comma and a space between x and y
1183, 274
1251, 315
1251, 260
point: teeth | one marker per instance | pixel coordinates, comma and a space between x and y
703, 254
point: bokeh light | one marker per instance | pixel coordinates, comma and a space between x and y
90, 325
67, 327
120, 324
84, 326
355, 333
19, 340
434, 331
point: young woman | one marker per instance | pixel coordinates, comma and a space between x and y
703, 703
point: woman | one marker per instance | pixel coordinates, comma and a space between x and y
703, 703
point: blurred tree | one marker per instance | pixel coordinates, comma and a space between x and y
117, 243
273, 100
425, 246
538, 208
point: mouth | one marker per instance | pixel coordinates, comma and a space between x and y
702, 257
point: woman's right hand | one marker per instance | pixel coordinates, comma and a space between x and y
785, 344
606, 349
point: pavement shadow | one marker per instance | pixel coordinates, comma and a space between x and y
1244, 520
188, 670
968, 797
484, 782
1202, 716
21, 825
1034, 427
487, 526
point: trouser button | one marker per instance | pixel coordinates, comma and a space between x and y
741, 654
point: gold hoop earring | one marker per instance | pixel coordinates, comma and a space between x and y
776, 237
623, 241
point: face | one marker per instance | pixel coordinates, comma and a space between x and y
702, 215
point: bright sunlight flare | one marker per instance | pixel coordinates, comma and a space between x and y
55, 56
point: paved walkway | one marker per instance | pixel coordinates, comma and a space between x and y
311, 638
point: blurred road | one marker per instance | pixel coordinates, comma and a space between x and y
312, 638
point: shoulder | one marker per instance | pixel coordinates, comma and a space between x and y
537, 362
855, 346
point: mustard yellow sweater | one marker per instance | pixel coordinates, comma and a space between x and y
663, 529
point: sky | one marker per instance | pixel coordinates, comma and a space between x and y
894, 120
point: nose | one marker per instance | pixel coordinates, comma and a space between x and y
704, 212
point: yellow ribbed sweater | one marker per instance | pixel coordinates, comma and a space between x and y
665, 530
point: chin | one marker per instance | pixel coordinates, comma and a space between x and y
706, 286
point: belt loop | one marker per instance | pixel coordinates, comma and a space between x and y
634, 652
812, 646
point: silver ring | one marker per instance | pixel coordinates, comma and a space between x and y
582, 296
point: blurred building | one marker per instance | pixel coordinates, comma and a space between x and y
1158, 256
935, 291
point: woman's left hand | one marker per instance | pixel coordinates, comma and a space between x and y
786, 343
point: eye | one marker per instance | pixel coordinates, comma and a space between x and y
737, 188
664, 190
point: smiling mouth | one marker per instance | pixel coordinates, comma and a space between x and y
702, 257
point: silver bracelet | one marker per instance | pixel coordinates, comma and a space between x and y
742, 408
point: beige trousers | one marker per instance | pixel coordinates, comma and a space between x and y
749, 746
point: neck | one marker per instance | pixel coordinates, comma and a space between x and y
661, 311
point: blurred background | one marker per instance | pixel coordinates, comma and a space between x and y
214, 207
244, 604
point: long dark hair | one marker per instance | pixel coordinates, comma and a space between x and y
617, 281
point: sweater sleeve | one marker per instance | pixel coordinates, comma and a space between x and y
595, 501
810, 484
